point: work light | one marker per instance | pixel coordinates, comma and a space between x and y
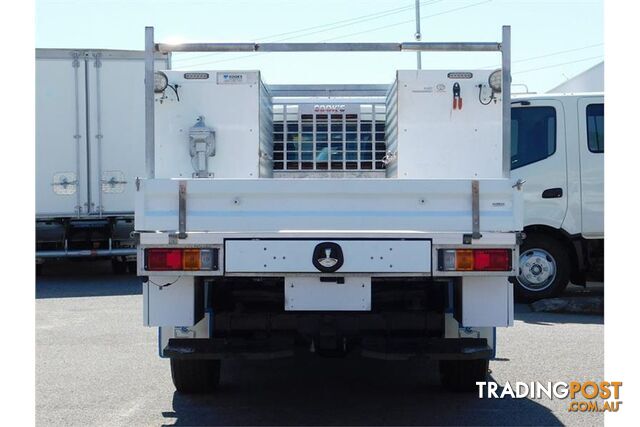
495, 81
160, 82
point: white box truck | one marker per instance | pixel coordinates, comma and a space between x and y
260, 244
89, 150
557, 147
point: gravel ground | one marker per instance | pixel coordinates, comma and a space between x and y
97, 365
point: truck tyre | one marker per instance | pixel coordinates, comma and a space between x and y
462, 375
544, 268
195, 375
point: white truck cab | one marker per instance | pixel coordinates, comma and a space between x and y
557, 151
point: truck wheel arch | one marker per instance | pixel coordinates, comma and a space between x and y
573, 247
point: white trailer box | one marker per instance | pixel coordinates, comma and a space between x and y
234, 105
444, 124
89, 131
89, 149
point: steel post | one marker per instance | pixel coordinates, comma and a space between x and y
505, 48
149, 118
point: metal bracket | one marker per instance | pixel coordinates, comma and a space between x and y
182, 209
389, 157
96, 57
76, 60
475, 209
113, 182
518, 185
135, 236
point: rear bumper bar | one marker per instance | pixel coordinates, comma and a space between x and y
372, 347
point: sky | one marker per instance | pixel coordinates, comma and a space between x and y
552, 40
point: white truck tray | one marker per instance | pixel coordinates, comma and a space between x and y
277, 205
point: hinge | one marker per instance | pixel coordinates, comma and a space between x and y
76, 60
98, 62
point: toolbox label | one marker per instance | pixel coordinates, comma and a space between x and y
232, 78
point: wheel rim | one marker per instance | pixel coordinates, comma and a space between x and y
537, 269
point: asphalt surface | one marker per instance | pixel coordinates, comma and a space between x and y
97, 365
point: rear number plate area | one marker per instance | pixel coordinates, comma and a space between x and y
313, 293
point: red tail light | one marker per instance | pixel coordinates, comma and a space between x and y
492, 260
163, 259
177, 259
474, 260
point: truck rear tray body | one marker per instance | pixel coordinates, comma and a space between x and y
275, 205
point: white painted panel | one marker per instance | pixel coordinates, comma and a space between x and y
172, 305
277, 205
548, 173
433, 139
591, 177
116, 141
57, 151
121, 116
487, 301
199, 330
308, 293
232, 110
296, 256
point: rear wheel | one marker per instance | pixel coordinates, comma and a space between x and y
195, 375
543, 268
462, 375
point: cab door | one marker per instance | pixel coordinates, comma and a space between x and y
538, 156
591, 131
